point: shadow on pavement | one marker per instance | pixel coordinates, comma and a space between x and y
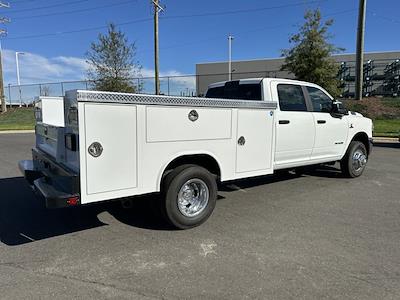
24, 218
255, 181
395, 145
324, 171
283, 175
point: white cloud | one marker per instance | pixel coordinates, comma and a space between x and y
35, 68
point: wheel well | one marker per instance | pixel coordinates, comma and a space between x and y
363, 138
206, 161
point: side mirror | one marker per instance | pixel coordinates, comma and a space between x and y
339, 109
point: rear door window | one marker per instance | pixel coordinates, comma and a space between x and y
291, 98
235, 90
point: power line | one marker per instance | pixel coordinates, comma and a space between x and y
238, 34
48, 6
170, 17
74, 11
22, 1
77, 30
119, 24
233, 12
383, 17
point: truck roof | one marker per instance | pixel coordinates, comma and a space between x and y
267, 80
258, 80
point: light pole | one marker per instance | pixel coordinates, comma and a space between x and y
18, 78
2, 97
230, 39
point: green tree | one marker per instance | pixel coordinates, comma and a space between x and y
112, 63
310, 58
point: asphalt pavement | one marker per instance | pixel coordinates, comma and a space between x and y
314, 236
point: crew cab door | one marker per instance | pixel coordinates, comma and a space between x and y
330, 131
295, 128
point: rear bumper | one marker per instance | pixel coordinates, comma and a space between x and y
58, 186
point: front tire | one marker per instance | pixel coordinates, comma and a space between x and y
354, 162
190, 195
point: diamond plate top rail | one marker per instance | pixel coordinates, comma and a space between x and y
124, 98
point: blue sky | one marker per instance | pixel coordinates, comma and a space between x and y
190, 31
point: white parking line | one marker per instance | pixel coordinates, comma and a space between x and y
27, 237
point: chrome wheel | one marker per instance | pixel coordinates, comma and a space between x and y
359, 160
193, 197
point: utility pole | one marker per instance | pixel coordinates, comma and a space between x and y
230, 39
157, 9
2, 32
360, 50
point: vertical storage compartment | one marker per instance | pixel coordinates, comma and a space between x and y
254, 140
110, 147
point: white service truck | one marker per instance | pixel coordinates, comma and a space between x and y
100, 146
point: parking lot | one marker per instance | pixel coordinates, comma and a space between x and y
312, 236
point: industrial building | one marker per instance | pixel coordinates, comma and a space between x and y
381, 72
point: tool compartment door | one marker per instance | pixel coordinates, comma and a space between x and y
112, 164
254, 142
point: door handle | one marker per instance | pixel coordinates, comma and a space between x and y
284, 121
321, 121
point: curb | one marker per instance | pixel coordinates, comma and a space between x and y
16, 131
385, 140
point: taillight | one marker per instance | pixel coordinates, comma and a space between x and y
72, 201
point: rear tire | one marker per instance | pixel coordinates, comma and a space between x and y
190, 195
355, 160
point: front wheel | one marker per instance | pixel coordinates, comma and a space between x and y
355, 160
190, 196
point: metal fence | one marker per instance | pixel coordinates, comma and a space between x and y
25, 94
188, 85
381, 77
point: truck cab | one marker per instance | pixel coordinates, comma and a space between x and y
311, 127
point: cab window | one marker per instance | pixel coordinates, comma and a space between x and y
291, 98
216, 92
321, 102
235, 90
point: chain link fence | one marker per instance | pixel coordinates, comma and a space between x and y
24, 95
189, 85
381, 77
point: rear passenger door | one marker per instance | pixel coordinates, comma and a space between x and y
295, 129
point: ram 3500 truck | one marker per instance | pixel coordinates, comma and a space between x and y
100, 146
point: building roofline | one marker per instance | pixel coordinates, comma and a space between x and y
280, 58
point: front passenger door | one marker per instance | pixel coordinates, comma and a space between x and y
331, 132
